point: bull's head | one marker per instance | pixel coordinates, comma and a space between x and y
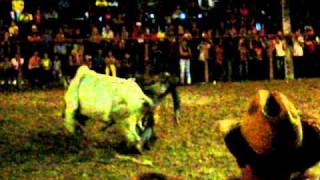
156, 86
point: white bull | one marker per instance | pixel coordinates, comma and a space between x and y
97, 96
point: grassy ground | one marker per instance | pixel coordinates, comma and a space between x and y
33, 144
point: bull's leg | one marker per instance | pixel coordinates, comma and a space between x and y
69, 121
72, 104
128, 128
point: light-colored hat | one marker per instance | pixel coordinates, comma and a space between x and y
271, 123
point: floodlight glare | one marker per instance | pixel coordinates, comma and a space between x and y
182, 16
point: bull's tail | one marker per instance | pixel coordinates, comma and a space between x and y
71, 98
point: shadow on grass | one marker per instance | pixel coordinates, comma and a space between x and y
19, 145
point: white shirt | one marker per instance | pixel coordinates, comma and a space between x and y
15, 63
297, 49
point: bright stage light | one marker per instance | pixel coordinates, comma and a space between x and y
182, 16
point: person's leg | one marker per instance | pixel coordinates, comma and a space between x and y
182, 70
206, 71
229, 78
107, 71
283, 73
188, 73
113, 70
246, 69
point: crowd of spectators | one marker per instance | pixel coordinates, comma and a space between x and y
244, 43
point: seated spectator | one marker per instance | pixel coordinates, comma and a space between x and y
76, 54
60, 37
74, 63
13, 30
107, 33
124, 33
111, 64
126, 68
88, 60
98, 62
95, 36
34, 36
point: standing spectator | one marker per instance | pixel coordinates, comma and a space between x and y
258, 47
204, 48
34, 69
230, 50
60, 49
17, 63
279, 71
6, 71
46, 65
297, 55
185, 58
243, 59
56, 68
310, 52
219, 61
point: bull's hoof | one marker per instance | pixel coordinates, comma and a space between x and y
124, 148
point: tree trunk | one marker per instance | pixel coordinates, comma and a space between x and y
286, 28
